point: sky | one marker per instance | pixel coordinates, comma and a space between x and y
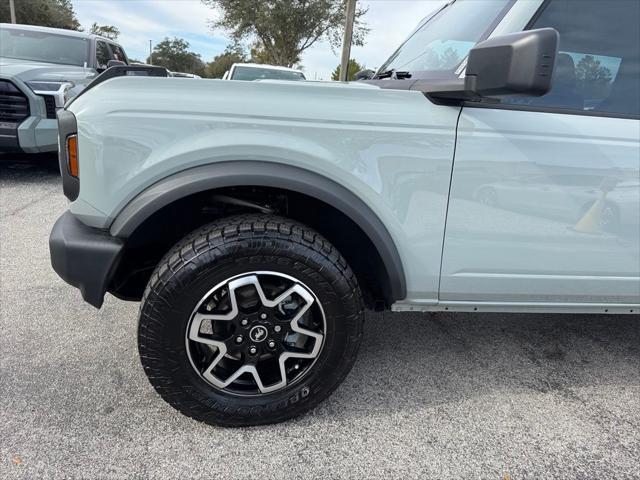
139, 21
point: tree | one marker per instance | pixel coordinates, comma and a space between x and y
107, 31
282, 29
174, 54
46, 13
449, 59
354, 67
223, 62
592, 78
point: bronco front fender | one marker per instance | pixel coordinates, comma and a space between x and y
265, 174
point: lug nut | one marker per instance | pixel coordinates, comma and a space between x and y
244, 322
271, 344
277, 328
238, 339
263, 316
253, 350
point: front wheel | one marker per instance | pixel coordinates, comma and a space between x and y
250, 320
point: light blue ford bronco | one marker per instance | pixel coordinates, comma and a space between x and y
491, 164
40, 69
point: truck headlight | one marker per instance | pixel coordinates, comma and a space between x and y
58, 90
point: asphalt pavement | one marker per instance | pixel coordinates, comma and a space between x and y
443, 396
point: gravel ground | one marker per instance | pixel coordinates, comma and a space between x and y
440, 396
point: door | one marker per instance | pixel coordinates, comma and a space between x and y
103, 55
554, 213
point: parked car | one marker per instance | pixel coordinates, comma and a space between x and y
256, 221
565, 197
183, 75
40, 69
256, 71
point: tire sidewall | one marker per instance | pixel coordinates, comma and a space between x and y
169, 310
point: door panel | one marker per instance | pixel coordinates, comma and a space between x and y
544, 207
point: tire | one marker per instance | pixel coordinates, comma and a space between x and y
260, 253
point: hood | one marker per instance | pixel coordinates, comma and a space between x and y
28, 71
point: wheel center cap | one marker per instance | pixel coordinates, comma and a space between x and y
258, 333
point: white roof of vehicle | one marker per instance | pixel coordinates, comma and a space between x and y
271, 67
59, 31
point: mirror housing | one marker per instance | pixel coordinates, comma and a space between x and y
515, 65
518, 64
114, 63
364, 74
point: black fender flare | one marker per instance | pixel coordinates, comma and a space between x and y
265, 174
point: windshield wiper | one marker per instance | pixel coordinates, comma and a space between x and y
393, 74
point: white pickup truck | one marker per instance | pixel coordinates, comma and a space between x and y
257, 71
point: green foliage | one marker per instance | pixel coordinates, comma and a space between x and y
592, 78
223, 62
260, 55
107, 31
282, 29
354, 67
46, 13
174, 54
446, 60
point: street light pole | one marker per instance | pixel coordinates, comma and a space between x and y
346, 41
12, 10
150, 57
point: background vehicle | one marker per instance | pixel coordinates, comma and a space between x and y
183, 75
40, 69
256, 71
255, 236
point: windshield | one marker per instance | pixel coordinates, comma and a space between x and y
43, 47
438, 47
257, 73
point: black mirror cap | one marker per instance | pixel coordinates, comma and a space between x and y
365, 74
114, 63
514, 65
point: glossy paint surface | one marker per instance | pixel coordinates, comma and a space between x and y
544, 207
393, 149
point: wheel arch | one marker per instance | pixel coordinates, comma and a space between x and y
221, 175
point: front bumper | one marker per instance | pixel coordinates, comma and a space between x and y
25, 126
84, 257
33, 135
37, 134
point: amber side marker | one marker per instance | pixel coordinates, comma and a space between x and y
72, 155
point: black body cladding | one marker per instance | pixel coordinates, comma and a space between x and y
67, 125
84, 257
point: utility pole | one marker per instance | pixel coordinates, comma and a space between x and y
150, 57
12, 10
346, 41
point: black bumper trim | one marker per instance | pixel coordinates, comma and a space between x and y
67, 125
84, 257
9, 140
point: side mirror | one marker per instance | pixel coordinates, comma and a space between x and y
114, 63
518, 64
364, 74
514, 65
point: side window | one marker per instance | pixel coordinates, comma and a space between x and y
598, 66
118, 53
103, 54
